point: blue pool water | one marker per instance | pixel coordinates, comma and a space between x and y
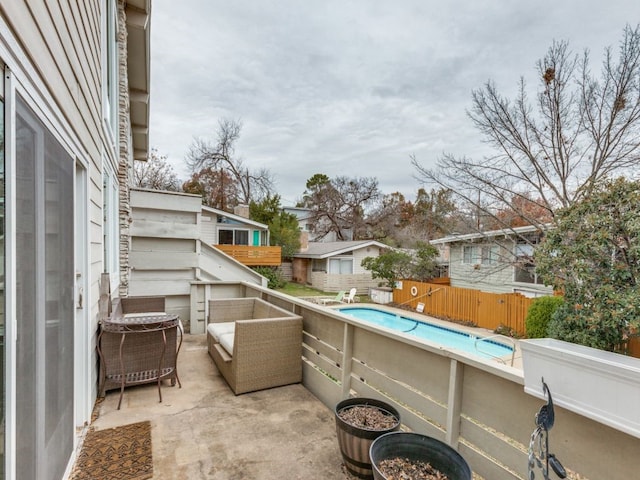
442, 335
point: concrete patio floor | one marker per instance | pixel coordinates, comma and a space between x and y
204, 431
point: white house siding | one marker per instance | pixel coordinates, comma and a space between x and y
361, 254
168, 253
334, 283
498, 278
53, 50
208, 228
360, 278
164, 246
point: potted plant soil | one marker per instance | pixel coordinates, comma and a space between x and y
416, 456
359, 421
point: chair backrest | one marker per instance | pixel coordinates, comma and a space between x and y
352, 293
340, 296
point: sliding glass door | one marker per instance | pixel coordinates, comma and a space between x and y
44, 299
2, 277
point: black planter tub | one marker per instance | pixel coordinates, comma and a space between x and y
418, 447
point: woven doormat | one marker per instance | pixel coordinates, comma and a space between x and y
121, 453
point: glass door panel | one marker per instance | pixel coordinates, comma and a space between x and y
44, 303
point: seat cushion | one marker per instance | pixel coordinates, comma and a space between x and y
226, 342
219, 329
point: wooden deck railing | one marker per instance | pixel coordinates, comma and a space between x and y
253, 256
479, 407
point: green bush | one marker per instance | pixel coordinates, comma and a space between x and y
539, 315
273, 275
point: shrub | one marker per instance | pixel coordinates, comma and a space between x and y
539, 315
274, 276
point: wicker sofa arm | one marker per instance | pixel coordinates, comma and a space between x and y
266, 353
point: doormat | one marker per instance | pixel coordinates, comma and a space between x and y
121, 453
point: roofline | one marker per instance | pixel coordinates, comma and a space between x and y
490, 233
366, 243
233, 216
138, 19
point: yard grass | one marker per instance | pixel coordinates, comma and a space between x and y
299, 290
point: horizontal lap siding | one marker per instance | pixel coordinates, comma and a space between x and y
62, 42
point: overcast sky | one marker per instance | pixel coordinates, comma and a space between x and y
352, 88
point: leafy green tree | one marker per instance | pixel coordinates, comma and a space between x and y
283, 227
273, 276
424, 266
389, 266
285, 233
539, 315
593, 256
392, 265
266, 209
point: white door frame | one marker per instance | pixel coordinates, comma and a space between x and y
82, 329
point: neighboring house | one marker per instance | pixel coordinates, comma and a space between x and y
306, 224
236, 235
224, 228
498, 261
303, 215
74, 115
336, 266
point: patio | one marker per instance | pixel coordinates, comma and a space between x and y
478, 406
203, 431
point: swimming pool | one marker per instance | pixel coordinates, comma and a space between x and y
444, 336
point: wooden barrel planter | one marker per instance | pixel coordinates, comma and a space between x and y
354, 440
407, 449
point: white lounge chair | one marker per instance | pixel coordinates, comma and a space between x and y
337, 299
351, 297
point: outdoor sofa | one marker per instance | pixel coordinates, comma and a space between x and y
255, 345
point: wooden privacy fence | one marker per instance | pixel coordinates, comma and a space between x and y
486, 310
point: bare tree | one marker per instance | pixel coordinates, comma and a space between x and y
340, 205
217, 188
220, 156
156, 173
580, 130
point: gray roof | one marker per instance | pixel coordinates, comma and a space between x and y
234, 217
505, 232
330, 249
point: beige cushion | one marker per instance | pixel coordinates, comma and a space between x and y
219, 329
226, 342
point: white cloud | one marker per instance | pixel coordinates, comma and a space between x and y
351, 87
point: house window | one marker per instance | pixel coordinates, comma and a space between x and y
525, 270
110, 228
233, 237
489, 255
341, 266
319, 265
468, 256
110, 68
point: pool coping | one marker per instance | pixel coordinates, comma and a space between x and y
413, 315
